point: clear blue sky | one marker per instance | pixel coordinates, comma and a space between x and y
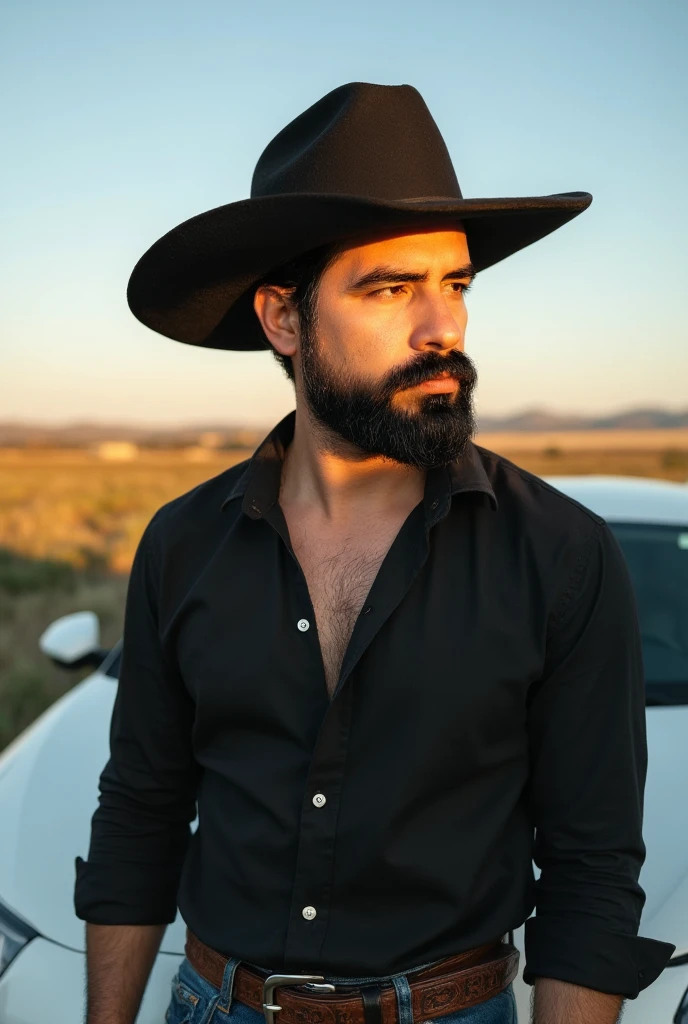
122, 119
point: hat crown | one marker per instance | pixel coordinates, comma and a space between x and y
374, 141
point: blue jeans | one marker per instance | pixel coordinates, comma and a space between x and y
195, 1001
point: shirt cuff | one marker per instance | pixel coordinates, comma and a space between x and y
579, 951
106, 894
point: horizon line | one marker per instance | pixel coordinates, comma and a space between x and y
214, 424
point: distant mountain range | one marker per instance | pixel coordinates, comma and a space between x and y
541, 420
82, 435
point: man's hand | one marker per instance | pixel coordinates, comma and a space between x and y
561, 1002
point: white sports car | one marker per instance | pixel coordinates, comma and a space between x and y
49, 785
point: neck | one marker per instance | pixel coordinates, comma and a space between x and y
324, 473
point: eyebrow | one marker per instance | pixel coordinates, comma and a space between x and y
393, 275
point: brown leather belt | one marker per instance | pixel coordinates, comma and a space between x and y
455, 983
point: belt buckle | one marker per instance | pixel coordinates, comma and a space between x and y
274, 981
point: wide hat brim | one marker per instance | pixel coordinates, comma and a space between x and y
196, 283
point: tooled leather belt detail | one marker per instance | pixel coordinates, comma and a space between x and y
456, 983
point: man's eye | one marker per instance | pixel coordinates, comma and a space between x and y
460, 287
391, 289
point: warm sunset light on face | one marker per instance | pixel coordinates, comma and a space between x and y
383, 303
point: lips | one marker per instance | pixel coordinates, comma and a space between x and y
434, 373
440, 384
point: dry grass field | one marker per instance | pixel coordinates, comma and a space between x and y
69, 526
70, 522
653, 453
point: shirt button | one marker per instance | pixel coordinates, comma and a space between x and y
319, 799
308, 913
303, 625
435, 503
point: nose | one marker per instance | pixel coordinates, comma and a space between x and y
438, 327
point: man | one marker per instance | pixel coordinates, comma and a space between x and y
391, 667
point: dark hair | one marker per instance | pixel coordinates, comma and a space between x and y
303, 274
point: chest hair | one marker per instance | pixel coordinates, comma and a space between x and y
338, 583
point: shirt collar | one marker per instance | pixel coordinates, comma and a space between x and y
259, 483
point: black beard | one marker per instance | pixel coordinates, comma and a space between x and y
362, 414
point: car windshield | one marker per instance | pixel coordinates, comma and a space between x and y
657, 558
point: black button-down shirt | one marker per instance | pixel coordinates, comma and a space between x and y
489, 711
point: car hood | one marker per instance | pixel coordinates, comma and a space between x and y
49, 791
664, 875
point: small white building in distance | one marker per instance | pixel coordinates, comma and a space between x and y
117, 451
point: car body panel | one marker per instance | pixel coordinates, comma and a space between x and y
664, 874
48, 793
627, 499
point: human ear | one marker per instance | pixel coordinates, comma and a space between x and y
278, 317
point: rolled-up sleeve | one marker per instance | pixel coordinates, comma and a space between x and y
147, 790
586, 721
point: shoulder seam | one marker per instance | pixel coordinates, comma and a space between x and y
579, 568
529, 477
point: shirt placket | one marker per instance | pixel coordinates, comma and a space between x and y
310, 908
311, 890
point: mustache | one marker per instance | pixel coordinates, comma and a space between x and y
456, 364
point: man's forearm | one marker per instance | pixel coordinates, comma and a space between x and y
560, 1002
119, 958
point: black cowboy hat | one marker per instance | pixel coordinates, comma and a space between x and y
364, 160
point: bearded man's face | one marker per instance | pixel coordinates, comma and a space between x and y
381, 365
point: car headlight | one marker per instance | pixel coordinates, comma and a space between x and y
681, 1015
14, 935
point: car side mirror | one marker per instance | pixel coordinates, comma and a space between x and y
73, 641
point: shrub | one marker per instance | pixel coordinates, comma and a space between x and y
21, 575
